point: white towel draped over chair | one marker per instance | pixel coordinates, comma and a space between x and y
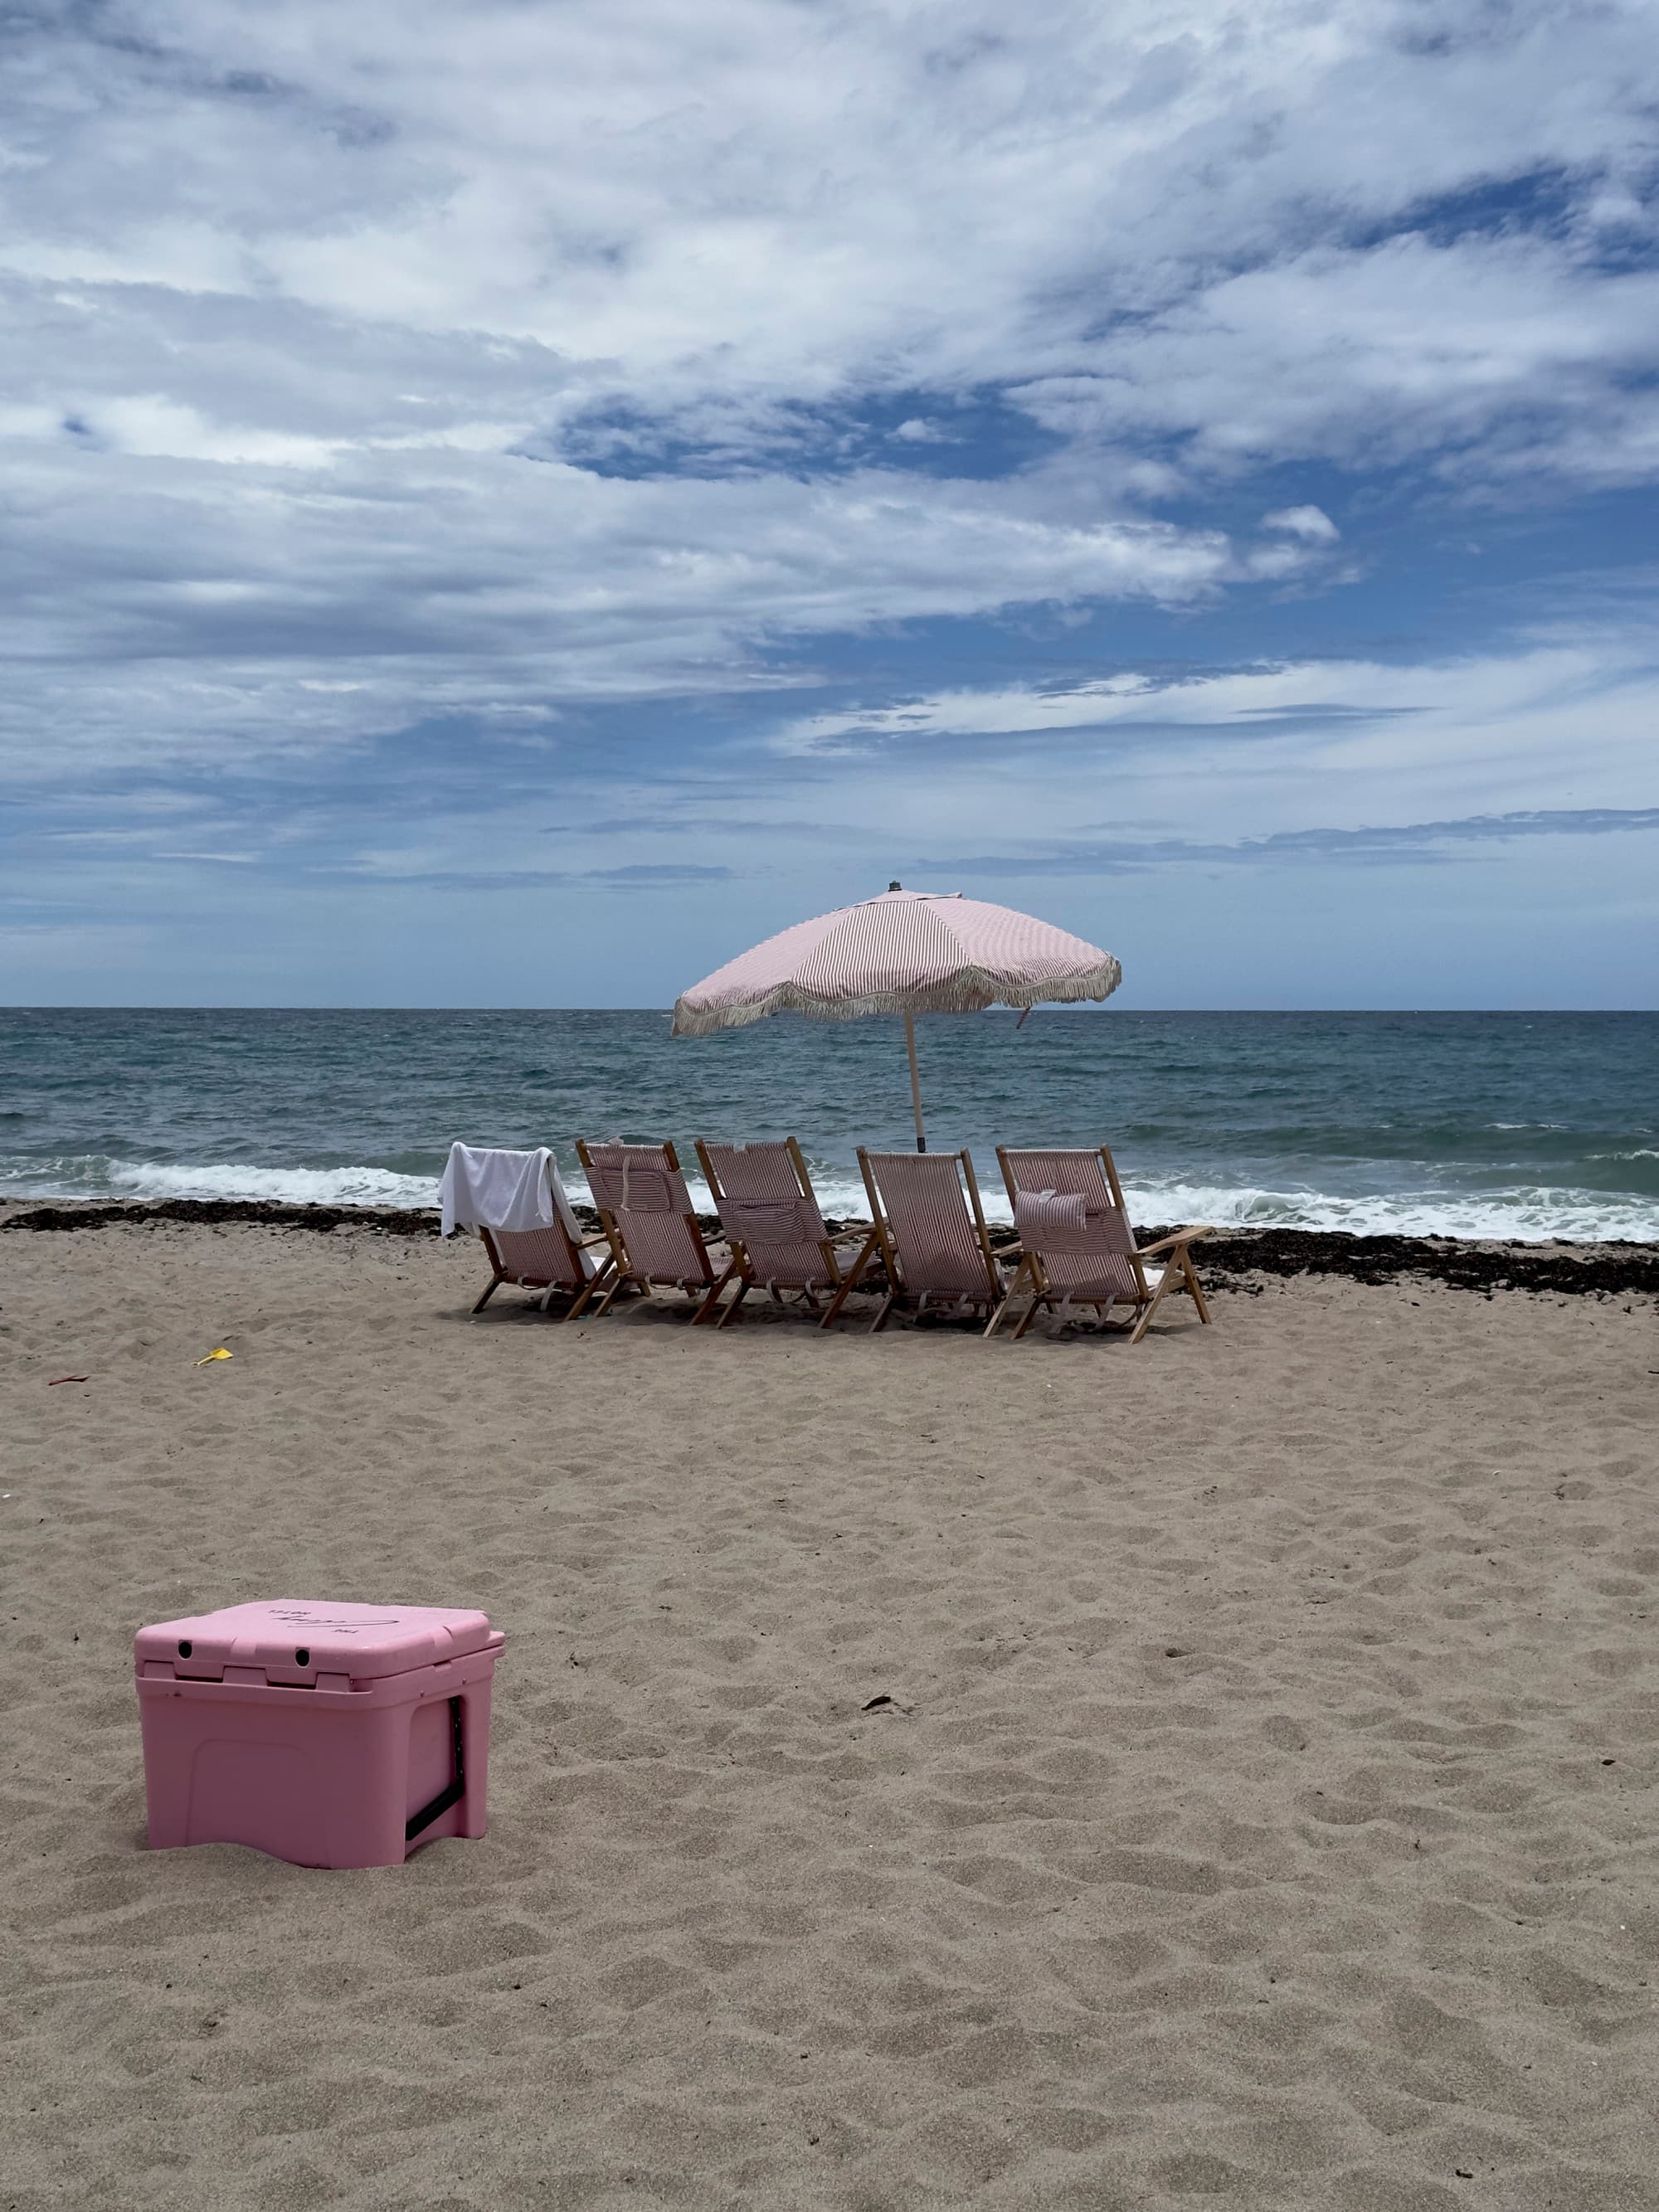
517, 1203
486, 1188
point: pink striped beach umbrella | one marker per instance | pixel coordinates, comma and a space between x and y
906, 952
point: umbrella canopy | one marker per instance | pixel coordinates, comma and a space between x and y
906, 952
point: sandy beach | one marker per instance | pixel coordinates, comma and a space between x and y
1262, 1810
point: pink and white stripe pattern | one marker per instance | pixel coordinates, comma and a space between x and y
763, 1206
538, 1259
641, 1196
906, 952
1098, 1263
938, 1245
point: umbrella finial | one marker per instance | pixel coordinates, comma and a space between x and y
896, 885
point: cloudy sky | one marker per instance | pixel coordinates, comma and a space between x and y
507, 504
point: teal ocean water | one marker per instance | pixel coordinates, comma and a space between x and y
1531, 1125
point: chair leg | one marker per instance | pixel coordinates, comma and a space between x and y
730, 1313
1178, 1275
1152, 1305
887, 1305
604, 1306
713, 1297
1009, 1296
494, 1284
850, 1279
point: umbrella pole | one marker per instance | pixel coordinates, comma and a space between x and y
915, 1081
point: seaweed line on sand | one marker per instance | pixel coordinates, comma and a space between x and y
1603, 1270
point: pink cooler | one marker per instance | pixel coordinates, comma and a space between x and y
334, 1736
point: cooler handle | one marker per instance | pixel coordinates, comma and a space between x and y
451, 1793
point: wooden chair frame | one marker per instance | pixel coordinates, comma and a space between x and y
561, 1225
707, 1294
747, 1275
1178, 1274
505, 1274
880, 1239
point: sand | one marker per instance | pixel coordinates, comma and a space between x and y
1264, 1811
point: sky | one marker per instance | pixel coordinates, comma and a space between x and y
508, 505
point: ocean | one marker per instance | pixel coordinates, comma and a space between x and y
1511, 1124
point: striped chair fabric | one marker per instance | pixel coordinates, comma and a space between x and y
762, 1207
641, 1192
1099, 1264
937, 1244
538, 1259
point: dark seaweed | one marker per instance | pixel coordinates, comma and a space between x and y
1596, 1270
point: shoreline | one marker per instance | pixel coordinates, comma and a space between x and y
1558, 1268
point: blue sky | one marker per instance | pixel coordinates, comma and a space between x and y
509, 505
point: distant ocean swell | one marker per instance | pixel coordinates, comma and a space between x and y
1528, 1213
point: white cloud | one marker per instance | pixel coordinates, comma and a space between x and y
147, 423
281, 608
1382, 353
297, 290
1256, 749
744, 201
1311, 524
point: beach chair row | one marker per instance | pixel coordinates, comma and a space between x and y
927, 1249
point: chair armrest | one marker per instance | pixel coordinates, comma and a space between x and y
1180, 1237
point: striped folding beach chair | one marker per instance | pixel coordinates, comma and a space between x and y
1077, 1247
646, 1212
547, 1260
929, 1228
556, 1259
765, 1198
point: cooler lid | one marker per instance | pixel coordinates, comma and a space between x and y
296, 1638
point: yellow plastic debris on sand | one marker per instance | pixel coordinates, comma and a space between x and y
218, 1353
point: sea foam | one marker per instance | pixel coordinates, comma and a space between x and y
1524, 1213
94, 1175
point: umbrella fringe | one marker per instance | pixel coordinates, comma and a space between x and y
970, 991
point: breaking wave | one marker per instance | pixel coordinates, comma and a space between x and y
94, 1176
1532, 1214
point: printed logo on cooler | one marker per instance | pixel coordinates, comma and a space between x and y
328, 1620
